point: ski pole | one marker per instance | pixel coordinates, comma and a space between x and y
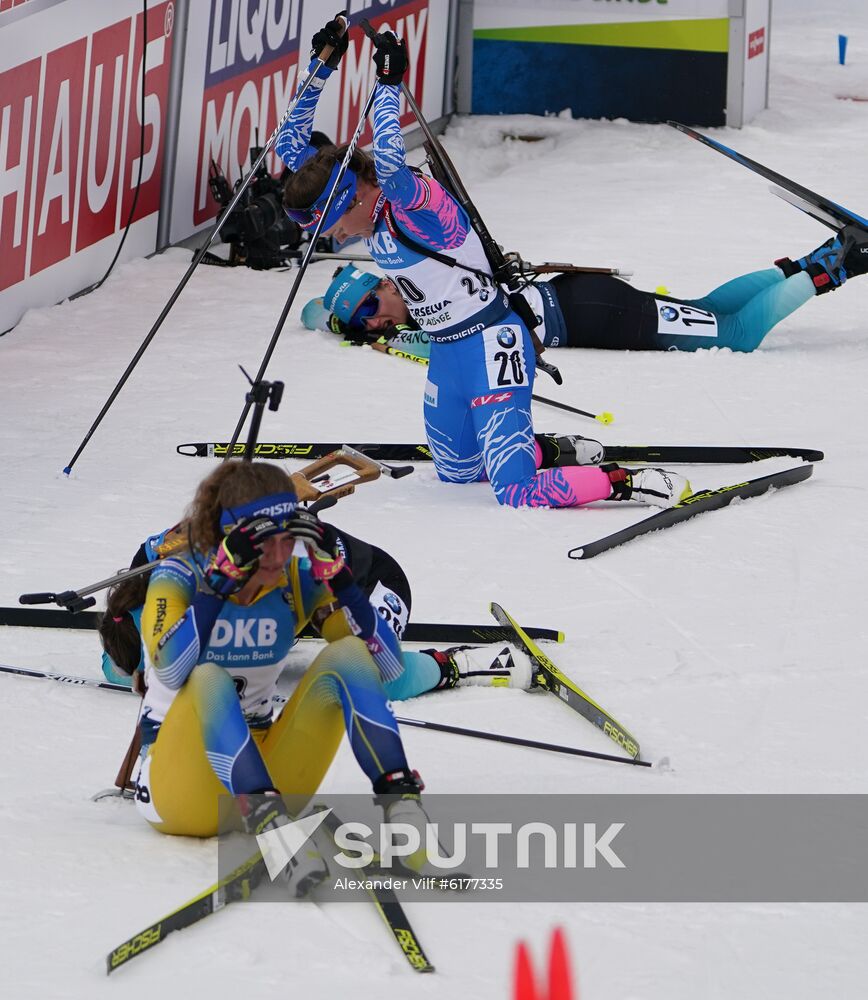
302, 267
505, 269
478, 734
604, 418
439, 727
266, 149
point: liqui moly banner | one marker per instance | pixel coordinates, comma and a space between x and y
241, 68
71, 148
71, 141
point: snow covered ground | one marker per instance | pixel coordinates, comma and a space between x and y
734, 645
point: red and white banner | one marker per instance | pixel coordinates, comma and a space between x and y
70, 144
70, 128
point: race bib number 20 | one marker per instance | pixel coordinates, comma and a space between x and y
504, 356
679, 320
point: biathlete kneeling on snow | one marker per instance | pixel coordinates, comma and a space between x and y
482, 360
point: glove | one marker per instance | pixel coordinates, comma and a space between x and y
333, 36
237, 556
390, 58
356, 336
324, 545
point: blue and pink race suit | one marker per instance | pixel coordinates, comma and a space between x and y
482, 363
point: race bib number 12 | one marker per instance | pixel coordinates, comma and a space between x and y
679, 320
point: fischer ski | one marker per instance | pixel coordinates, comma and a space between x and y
822, 209
390, 909
447, 632
670, 454
281, 450
238, 884
692, 454
46, 675
553, 679
697, 503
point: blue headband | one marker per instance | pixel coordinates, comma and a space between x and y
307, 218
277, 506
348, 290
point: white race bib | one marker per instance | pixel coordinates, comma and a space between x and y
504, 356
679, 320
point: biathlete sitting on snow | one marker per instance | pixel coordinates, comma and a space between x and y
218, 623
482, 361
380, 578
602, 311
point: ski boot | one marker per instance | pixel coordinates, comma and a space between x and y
300, 872
568, 450
499, 664
655, 487
830, 265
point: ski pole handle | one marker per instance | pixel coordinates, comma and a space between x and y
327, 50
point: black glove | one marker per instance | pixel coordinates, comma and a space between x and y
331, 36
324, 544
390, 58
355, 335
237, 556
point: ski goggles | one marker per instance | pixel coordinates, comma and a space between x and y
307, 218
366, 311
278, 507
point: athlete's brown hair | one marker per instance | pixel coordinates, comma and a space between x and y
232, 483
303, 187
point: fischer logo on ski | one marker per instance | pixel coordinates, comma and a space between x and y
697, 503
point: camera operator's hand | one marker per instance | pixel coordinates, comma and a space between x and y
324, 546
390, 58
330, 42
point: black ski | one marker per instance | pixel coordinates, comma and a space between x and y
307, 450
669, 454
695, 504
390, 909
234, 886
433, 632
693, 454
45, 618
239, 884
437, 632
828, 212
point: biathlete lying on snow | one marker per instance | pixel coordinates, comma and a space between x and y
482, 361
602, 311
218, 622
